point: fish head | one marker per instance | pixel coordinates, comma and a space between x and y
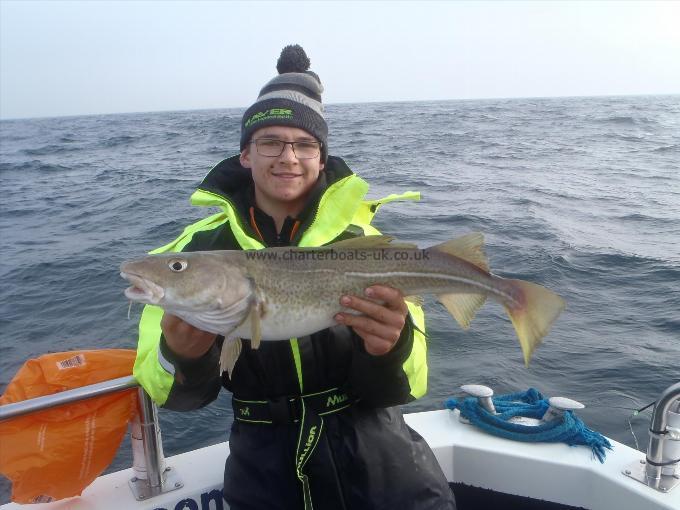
193, 281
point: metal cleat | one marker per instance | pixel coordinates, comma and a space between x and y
483, 395
557, 407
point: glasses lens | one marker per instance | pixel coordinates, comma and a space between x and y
274, 148
267, 147
306, 150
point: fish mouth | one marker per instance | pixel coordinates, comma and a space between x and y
142, 290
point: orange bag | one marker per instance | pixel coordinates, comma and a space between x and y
56, 453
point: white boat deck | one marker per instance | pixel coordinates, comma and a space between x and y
548, 471
544, 471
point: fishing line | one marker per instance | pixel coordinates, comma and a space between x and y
616, 407
129, 309
630, 425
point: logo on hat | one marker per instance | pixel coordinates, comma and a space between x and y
272, 113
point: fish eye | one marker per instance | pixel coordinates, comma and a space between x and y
177, 265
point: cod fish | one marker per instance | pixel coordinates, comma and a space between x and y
282, 293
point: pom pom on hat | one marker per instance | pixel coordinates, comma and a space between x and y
293, 59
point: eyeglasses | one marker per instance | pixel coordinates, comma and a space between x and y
274, 148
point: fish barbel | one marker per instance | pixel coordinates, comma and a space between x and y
282, 293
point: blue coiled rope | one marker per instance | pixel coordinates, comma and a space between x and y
570, 429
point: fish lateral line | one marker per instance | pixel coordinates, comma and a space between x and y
458, 279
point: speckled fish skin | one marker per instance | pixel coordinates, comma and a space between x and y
297, 291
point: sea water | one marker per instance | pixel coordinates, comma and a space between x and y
581, 195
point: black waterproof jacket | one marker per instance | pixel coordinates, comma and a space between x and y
366, 456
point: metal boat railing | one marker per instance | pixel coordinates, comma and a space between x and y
32, 405
151, 477
660, 437
661, 468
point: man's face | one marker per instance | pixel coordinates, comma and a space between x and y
282, 182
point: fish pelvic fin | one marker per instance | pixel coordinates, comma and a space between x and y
231, 350
532, 314
462, 307
256, 325
469, 247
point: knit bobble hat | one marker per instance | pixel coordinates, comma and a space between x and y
293, 98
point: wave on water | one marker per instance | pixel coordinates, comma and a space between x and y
667, 148
32, 166
624, 119
50, 150
116, 141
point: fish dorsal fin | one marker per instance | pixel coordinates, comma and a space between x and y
231, 350
462, 307
469, 247
378, 241
367, 242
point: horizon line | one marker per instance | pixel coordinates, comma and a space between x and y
495, 98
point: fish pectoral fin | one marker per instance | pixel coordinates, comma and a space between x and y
462, 307
368, 242
416, 300
469, 247
231, 350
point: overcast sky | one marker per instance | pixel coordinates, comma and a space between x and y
71, 58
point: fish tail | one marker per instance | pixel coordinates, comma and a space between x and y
532, 312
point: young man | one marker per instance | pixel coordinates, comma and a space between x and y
315, 417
